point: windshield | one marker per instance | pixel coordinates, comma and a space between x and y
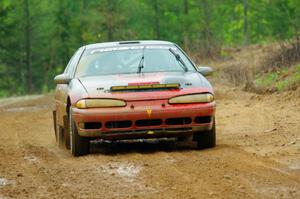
120, 60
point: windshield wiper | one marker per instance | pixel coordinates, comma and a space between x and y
178, 58
141, 64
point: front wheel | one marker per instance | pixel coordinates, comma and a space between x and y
206, 139
79, 145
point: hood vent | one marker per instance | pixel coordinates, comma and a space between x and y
142, 88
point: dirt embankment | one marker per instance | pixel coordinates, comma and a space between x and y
257, 155
261, 68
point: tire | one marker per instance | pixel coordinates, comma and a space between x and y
206, 139
187, 141
79, 145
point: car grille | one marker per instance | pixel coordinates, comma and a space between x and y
118, 124
179, 121
92, 125
148, 122
202, 119
151, 122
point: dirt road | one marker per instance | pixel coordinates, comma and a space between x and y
258, 155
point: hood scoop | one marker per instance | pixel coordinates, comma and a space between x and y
145, 87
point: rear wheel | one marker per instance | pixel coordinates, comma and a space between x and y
206, 139
79, 145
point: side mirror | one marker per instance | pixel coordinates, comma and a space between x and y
62, 79
205, 70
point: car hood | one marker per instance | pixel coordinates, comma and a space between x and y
190, 82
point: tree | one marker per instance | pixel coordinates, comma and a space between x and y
186, 25
27, 30
156, 9
245, 22
39, 37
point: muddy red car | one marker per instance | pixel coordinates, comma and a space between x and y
133, 90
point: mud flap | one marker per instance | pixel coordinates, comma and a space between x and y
60, 134
54, 123
67, 132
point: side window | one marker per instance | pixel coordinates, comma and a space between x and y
73, 61
67, 70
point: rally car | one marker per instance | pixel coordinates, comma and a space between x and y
133, 90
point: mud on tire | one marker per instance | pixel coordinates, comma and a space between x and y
206, 139
79, 145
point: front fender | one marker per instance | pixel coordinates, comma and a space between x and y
76, 91
66, 95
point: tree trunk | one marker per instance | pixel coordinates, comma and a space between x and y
186, 25
110, 20
207, 40
245, 22
83, 13
157, 19
28, 47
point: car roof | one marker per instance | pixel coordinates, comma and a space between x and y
123, 43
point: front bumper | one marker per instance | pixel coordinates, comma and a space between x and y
184, 120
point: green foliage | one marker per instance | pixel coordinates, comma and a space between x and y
56, 28
280, 80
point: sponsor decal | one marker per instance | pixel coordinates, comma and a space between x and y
100, 50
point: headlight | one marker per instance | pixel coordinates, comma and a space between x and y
193, 98
99, 103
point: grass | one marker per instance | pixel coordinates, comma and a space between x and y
282, 79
